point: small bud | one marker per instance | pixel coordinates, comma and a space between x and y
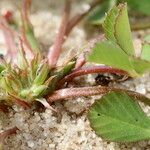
24, 93
41, 74
38, 90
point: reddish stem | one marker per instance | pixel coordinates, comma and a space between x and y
27, 44
64, 94
77, 18
26, 4
4, 108
20, 102
77, 92
8, 132
65, 29
90, 70
9, 36
81, 60
55, 50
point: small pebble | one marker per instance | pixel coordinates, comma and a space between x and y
30, 144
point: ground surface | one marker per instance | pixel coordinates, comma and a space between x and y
69, 129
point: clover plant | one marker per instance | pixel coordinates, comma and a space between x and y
29, 76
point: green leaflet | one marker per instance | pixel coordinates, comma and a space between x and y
147, 38
118, 117
145, 58
32, 39
41, 73
97, 16
117, 28
123, 31
1, 68
109, 24
146, 52
60, 73
139, 65
109, 53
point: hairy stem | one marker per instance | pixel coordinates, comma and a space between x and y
90, 70
27, 30
77, 92
55, 50
81, 60
9, 36
67, 93
25, 9
64, 30
20, 102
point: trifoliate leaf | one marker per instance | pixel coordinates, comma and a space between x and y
118, 51
118, 117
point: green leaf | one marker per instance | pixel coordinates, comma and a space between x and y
146, 52
109, 24
22, 60
140, 66
117, 28
142, 6
1, 68
118, 50
98, 15
38, 91
60, 73
110, 54
147, 38
32, 39
123, 31
42, 73
28, 32
118, 117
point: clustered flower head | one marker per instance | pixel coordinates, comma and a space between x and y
25, 73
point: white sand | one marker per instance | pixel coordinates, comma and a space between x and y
69, 129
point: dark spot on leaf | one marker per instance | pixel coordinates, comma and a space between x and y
98, 114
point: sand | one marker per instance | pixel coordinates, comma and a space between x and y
68, 129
